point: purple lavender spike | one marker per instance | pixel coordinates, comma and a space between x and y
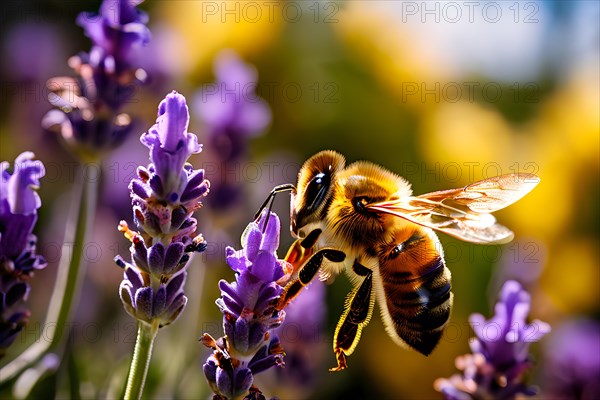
19, 203
166, 225
248, 311
498, 363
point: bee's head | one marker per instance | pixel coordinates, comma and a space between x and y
315, 191
360, 185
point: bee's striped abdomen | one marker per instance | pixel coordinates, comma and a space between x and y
417, 287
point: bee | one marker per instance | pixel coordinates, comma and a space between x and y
363, 219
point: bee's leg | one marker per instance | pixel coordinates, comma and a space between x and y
355, 317
307, 273
296, 256
302, 249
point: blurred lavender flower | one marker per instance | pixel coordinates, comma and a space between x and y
18, 214
510, 346
500, 351
117, 32
87, 107
232, 113
164, 197
523, 262
302, 336
34, 49
249, 314
572, 361
230, 108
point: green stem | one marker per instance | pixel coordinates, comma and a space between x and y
141, 360
71, 271
69, 276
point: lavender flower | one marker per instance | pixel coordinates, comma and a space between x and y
164, 197
87, 107
232, 114
230, 378
170, 146
231, 109
249, 314
248, 304
500, 351
572, 361
18, 214
117, 33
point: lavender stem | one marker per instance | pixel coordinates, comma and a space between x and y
141, 359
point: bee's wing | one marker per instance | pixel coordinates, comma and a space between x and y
464, 213
488, 195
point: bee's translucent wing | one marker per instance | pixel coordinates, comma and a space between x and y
488, 195
464, 213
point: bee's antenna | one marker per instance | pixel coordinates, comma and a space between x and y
268, 214
288, 187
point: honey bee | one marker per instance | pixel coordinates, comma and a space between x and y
363, 219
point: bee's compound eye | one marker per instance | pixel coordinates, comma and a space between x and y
396, 250
316, 190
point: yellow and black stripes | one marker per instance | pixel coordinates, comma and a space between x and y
416, 286
420, 312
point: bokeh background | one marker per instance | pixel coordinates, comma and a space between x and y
443, 93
